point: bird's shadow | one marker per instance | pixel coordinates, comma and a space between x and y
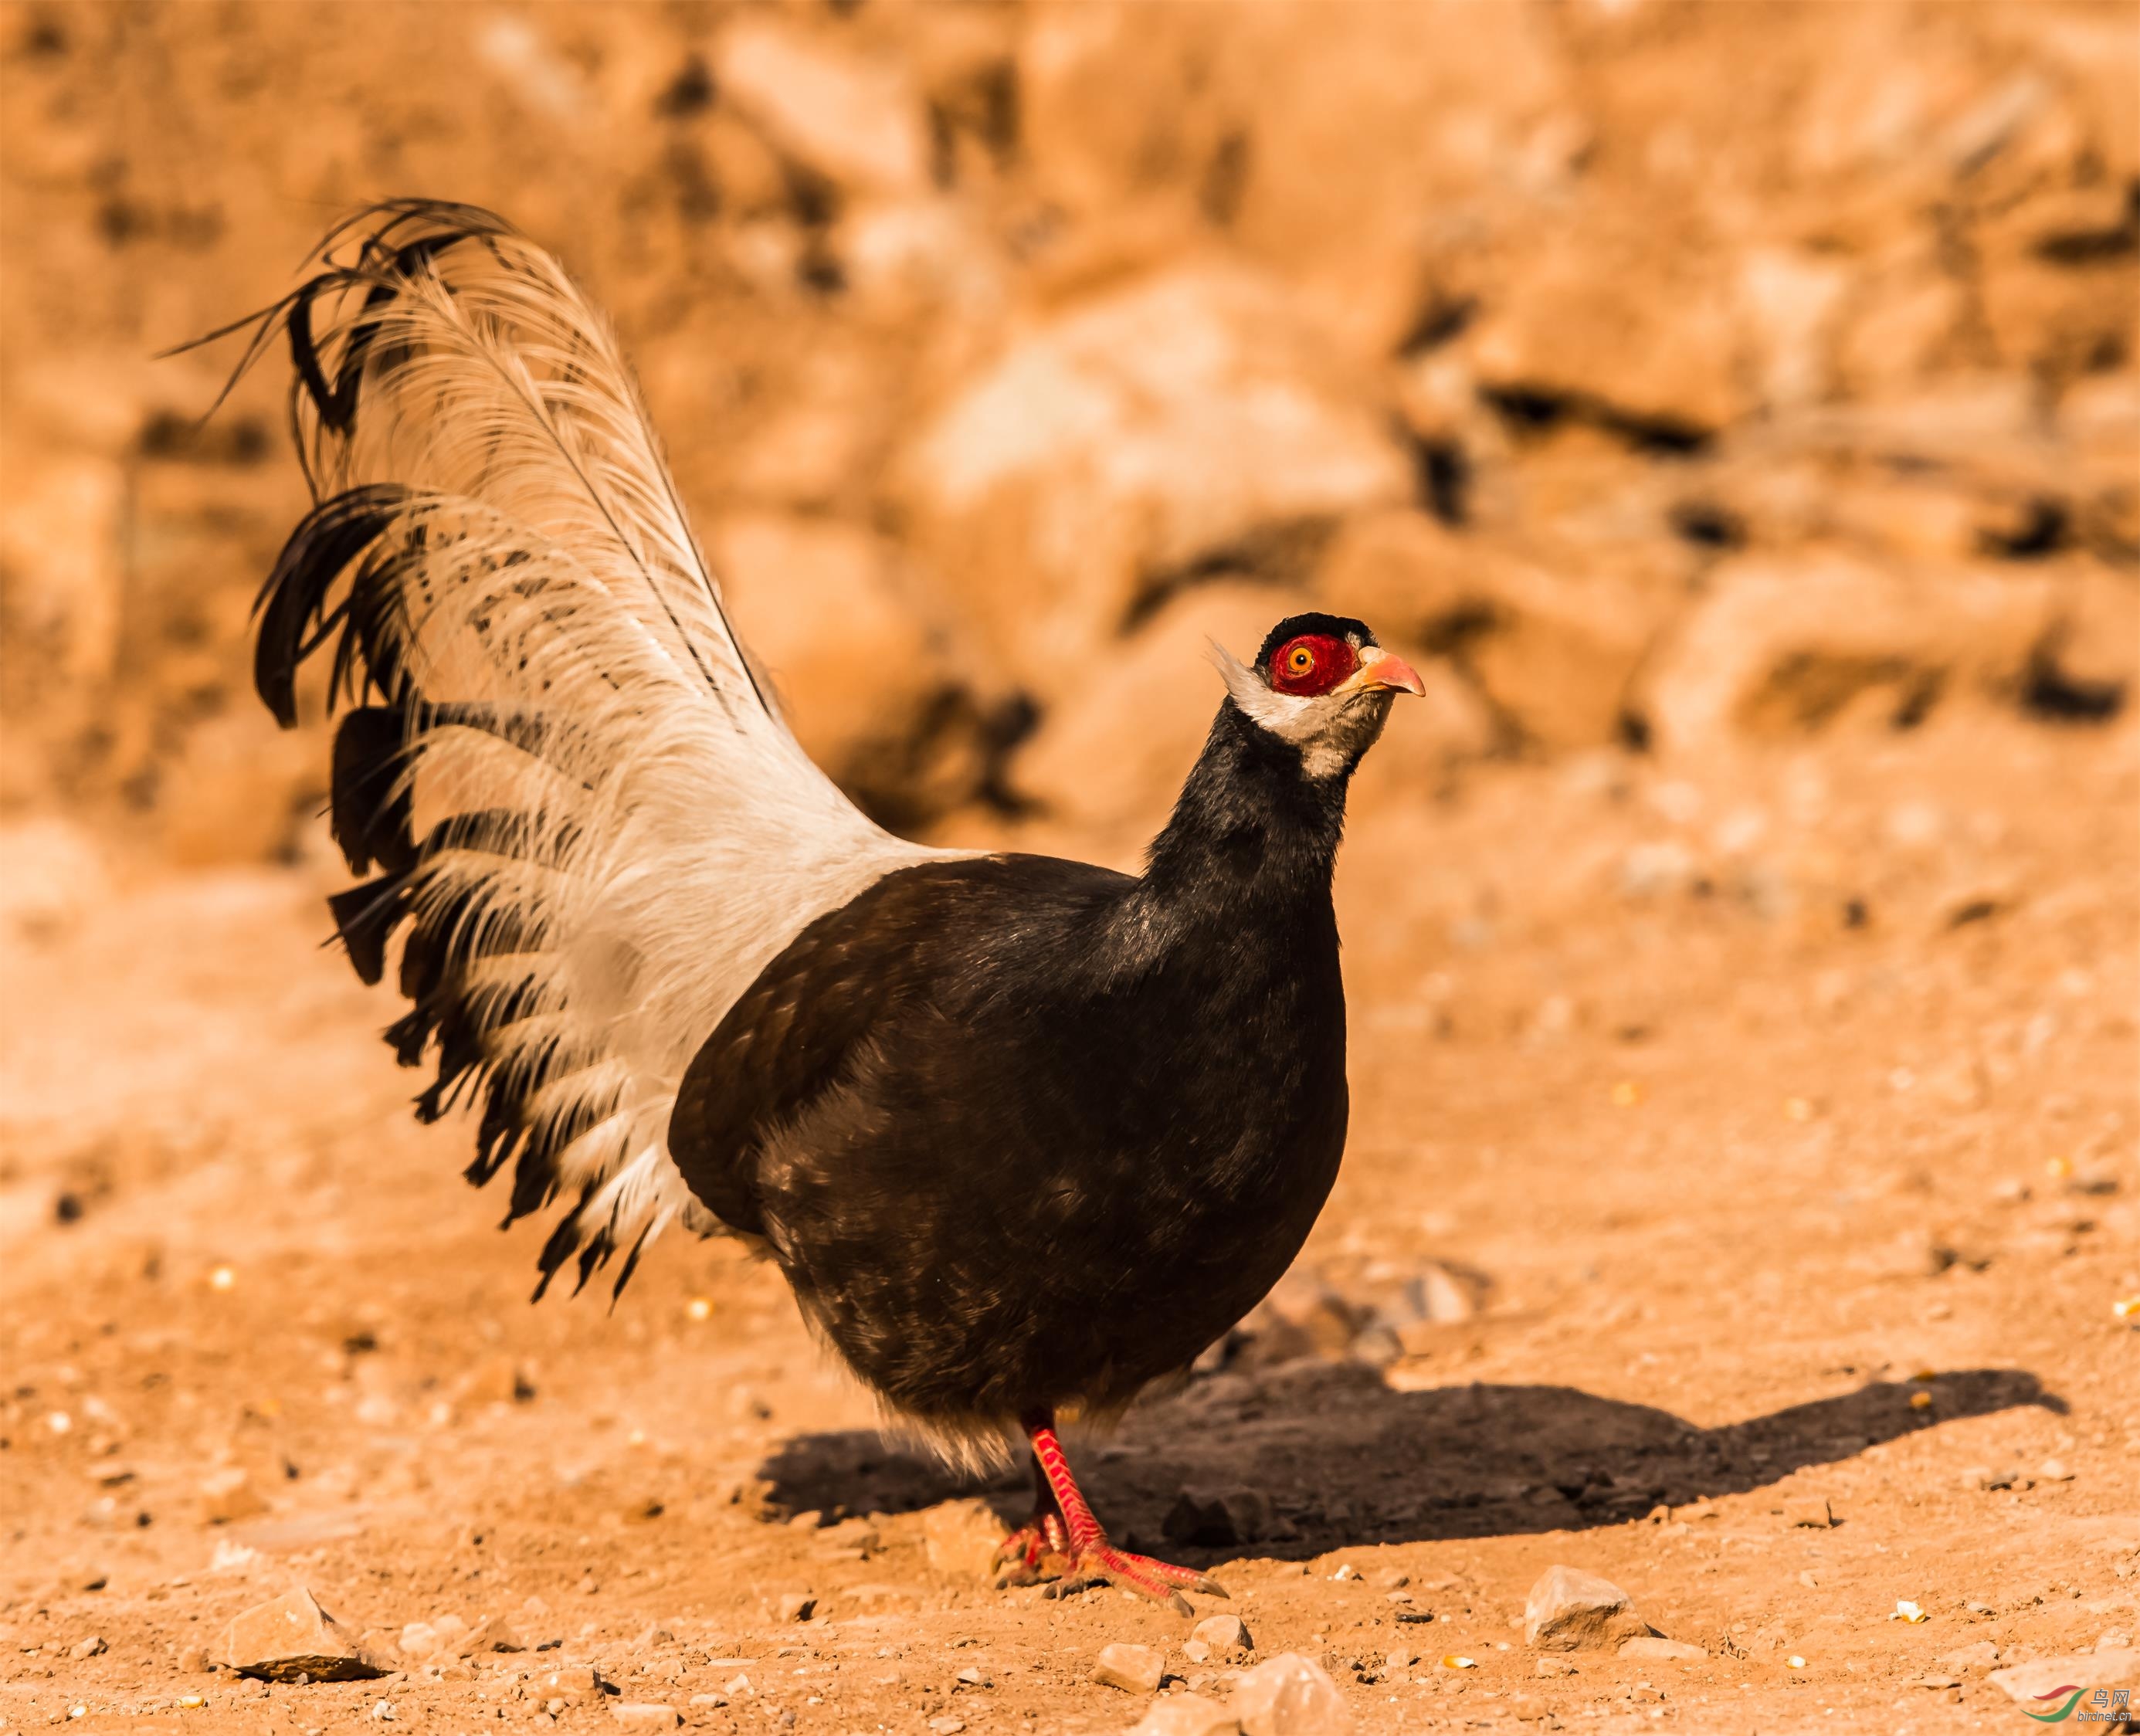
1343, 1459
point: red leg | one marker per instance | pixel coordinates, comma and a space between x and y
1071, 1533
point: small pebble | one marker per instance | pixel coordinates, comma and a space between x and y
1223, 1635
1133, 1669
796, 1606
645, 1715
2054, 1470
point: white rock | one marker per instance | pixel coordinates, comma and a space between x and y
1133, 1669
1225, 1634
1290, 1695
1568, 1609
291, 1635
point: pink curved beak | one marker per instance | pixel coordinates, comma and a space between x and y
1379, 668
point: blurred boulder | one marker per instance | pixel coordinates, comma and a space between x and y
52, 873
1605, 323
870, 682
1905, 316
1781, 645
1551, 651
913, 260
1792, 300
745, 168
1178, 427
854, 120
2087, 664
1327, 139
2056, 284
61, 542
238, 789
1374, 140
1112, 750
1402, 571
1110, 112
2098, 419
806, 456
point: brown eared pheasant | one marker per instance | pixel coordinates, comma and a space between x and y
1024, 1135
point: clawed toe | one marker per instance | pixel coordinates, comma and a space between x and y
1064, 1544
1162, 1581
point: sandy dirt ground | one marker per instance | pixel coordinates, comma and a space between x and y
1813, 1184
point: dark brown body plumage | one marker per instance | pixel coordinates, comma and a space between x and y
1027, 1134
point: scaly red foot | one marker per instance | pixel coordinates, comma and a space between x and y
1036, 1550
1064, 1542
1101, 1563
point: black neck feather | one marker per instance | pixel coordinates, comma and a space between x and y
1250, 824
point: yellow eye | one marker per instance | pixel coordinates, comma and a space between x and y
1301, 660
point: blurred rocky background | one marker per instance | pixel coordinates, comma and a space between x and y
1666, 377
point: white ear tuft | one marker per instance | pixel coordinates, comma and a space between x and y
1247, 687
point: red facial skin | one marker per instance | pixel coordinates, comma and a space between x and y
1312, 664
